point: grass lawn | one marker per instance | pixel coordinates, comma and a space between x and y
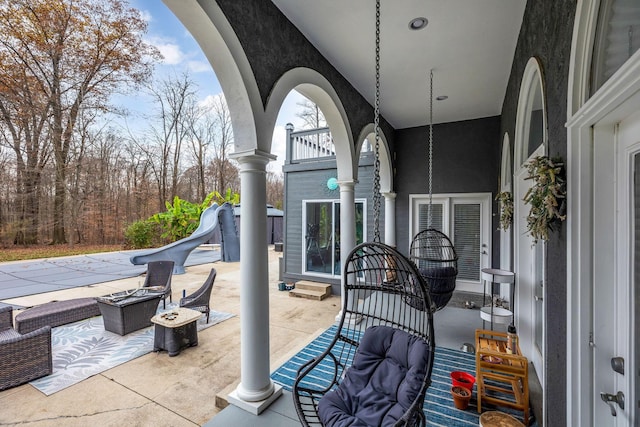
18, 253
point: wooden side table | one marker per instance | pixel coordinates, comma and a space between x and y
175, 329
502, 378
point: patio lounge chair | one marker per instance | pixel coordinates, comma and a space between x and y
377, 368
159, 274
199, 300
22, 357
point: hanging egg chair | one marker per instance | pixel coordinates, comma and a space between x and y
437, 261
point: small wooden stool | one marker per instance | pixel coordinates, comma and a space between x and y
498, 419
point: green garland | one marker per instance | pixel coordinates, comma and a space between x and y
545, 196
505, 199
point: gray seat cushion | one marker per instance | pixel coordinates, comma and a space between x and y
385, 378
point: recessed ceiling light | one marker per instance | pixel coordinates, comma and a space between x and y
418, 23
441, 97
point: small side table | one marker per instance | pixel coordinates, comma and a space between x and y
497, 314
498, 419
502, 378
175, 329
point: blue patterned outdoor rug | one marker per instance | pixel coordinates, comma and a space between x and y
438, 405
84, 349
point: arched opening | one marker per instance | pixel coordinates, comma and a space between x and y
506, 186
318, 171
529, 255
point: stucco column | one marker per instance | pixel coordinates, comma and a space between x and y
255, 383
347, 229
390, 218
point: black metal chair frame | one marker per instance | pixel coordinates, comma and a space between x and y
437, 261
382, 287
199, 300
159, 273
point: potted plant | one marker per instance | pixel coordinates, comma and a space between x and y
461, 397
546, 196
505, 200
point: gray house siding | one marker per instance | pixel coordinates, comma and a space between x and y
307, 181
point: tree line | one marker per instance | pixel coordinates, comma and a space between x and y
68, 172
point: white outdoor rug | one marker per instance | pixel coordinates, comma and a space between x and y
84, 348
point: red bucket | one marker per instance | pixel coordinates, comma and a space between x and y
462, 379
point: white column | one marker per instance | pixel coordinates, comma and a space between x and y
347, 229
390, 218
256, 390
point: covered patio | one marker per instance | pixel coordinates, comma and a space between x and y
518, 80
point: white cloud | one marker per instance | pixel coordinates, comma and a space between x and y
146, 15
169, 49
199, 66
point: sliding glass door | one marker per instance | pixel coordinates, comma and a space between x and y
321, 245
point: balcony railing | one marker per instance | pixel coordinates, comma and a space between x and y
310, 144
313, 144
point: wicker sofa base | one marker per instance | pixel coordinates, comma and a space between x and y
22, 357
56, 313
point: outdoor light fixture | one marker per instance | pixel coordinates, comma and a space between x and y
332, 184
418, 23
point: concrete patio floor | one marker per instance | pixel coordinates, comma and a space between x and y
156, 390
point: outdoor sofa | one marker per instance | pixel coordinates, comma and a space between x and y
23, 357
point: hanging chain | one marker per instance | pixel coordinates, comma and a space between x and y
376, 124
429, 223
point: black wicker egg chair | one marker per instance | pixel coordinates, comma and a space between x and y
380, 325
437, 261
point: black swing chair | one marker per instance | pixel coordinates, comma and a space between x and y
431, 250
437, 261
377, 368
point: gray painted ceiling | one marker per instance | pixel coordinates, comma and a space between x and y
469, 44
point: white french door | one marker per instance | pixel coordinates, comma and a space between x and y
529, 260
616, 265
466, 220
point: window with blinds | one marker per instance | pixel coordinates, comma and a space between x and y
436, 217
466, 238
617, 38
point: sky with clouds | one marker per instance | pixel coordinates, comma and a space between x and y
182, 53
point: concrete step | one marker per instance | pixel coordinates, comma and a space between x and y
313, 286
305, 293
311, 290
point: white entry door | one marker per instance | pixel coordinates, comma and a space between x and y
616, 271
530, 277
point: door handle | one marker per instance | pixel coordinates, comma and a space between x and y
610, 399
617, 364
537, 298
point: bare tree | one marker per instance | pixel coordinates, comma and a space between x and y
57, 58
223, 132
310, 114
24, 113
174, 98
275, 189
202, 129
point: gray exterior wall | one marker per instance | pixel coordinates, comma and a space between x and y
546, 33
308, 181
466, 159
